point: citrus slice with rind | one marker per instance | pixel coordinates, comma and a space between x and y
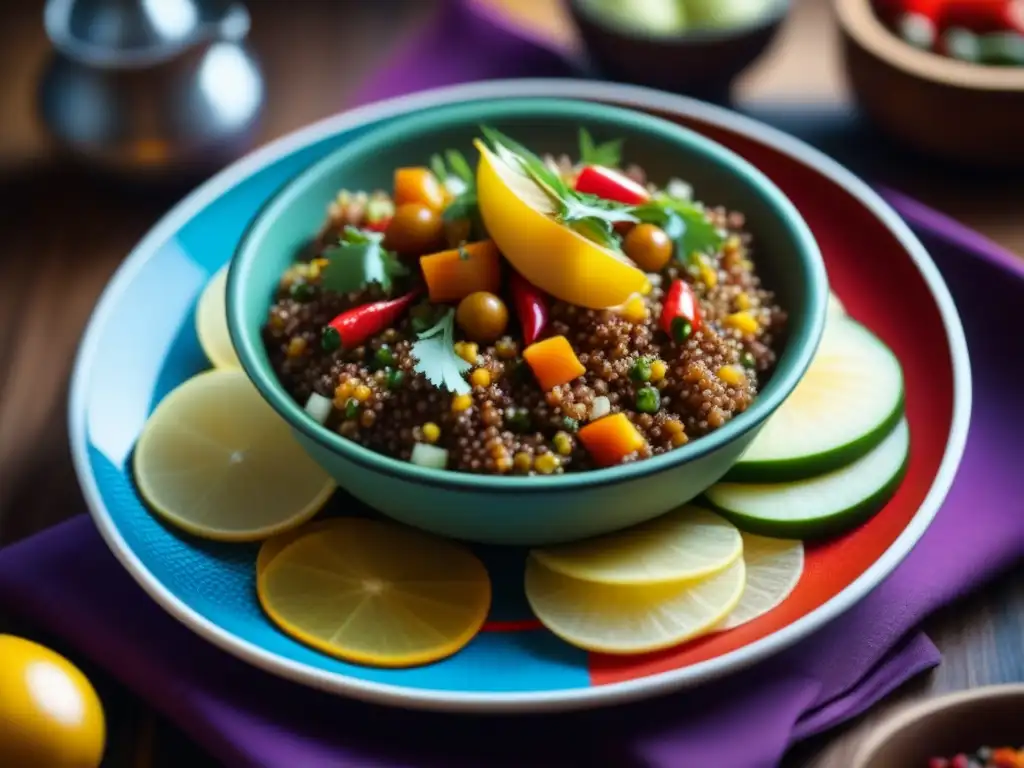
774, 567
212, 323
273, 546
376, 593
518, 215
686, 544
215, 460
619, 619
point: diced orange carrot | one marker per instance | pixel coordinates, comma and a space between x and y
453, 275
419, 185
611, 439
553, 362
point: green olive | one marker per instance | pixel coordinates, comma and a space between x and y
649, 247
415, 229
483, 316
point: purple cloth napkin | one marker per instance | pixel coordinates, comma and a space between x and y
65, 579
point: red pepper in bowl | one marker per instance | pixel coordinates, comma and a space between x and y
353, 327
531, 306
609, 184
680, 311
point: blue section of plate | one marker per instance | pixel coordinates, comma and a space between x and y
147, 346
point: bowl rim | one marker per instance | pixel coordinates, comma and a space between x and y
771, 17
919, 711
801, 343
859, 21
617, 693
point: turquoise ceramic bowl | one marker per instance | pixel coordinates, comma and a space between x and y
530, 510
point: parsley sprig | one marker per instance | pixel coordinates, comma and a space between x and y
686, 224
357, 260
453, 165
608, 154
436, 358
589, 215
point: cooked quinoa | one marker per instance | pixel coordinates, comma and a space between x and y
507, 424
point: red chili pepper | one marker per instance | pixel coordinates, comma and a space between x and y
610, 185
379, 225
531, 306
680, 311
352, 328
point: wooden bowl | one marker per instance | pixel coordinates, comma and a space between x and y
699, 62
967, 113
942, 727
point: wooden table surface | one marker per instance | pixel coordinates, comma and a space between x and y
64, 231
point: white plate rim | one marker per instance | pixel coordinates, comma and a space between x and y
538, 701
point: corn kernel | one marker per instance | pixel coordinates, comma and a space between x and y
481, 377
467, 350
678, 439
708, 275
562, 443
461, 402
658, 370
503, 463
522, 462
276, 322
431, 432
732, 375
744, 322
506, 348
742, 301
362, 393
634, 310
673, 426
546, 463
296, 346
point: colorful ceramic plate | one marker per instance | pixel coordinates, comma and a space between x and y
141, 343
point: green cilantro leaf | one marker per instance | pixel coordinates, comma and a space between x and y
358, 260
458, 165
437, 166
686, 224
436, 358
608, 154
516, 155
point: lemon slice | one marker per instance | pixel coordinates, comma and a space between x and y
273, 546
212, 323
630, 619
686, 544
517, 215
376, 593
774, 567
217, 461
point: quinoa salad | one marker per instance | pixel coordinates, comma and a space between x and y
535, 315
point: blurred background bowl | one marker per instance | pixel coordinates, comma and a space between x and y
699, 62
967, 113
992, 716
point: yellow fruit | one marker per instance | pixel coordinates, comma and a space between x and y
774, 567
273, 546
212, 323
217, 461
629, 619
376, 593
518, 216
50, 714
686, 544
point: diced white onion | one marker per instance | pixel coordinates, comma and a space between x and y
601, 406
455, 185
654, 279
319, 407
679, 190
426, 455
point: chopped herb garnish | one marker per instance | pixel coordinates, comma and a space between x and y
436, 358
358, 260
438, 167
464, 206
686, 224
608, 154
459, 166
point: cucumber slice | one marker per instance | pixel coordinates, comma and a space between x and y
821, 506
847, 402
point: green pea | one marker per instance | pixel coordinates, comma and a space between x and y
384, 357
648, 400
395, 379
641, 370
747, 360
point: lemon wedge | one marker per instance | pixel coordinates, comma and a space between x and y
686, 544
629, 619
774, 567
212, 323
217, 461
376, 593
518, 216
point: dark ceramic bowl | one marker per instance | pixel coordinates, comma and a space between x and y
942, 727
698, 62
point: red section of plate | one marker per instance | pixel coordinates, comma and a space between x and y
878, 282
